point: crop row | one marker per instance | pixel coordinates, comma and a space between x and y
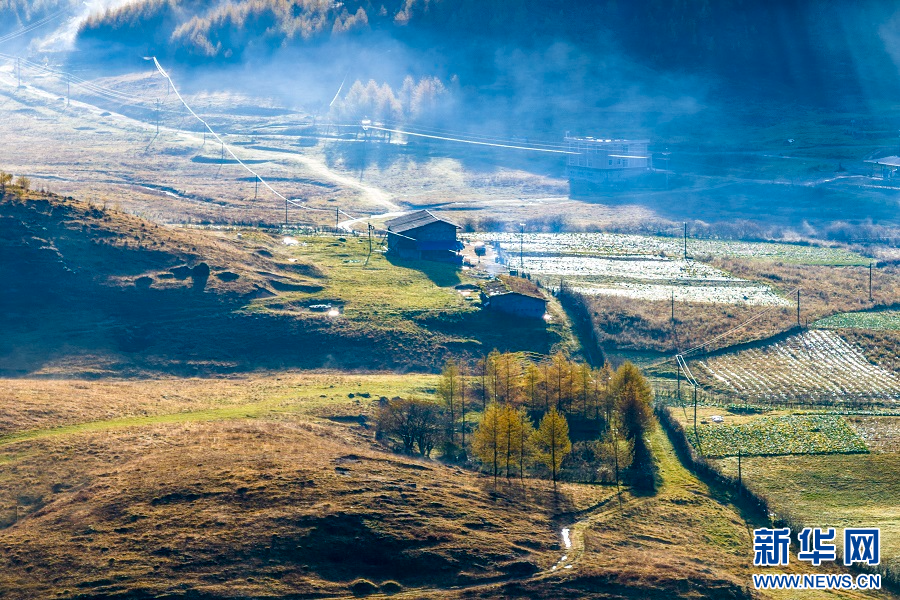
813, 364
751, 295
613, 244
766, 436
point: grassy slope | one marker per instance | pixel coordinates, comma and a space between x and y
74, 306
832, 491
688, 540
256, 508
267, 503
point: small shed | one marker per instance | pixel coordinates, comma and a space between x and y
889, 166
424, 235
514, 296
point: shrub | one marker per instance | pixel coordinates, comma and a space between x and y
363, 587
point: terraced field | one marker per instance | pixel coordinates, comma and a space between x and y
816, 365
639, 267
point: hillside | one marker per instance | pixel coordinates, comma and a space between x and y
274, 486
91, 289
809, 47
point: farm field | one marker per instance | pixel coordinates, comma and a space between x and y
647, 324
879, 345
628, 245
881, 434
637, 267
814, 366
877, 320
838, 490
777, 435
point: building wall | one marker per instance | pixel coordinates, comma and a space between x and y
519, 305
433, 232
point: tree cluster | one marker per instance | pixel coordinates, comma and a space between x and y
6, 179
416, 422
421, 102
512, 415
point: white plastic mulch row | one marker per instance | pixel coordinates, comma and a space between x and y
816, 363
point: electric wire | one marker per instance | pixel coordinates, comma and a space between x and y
225, 146
32, 26
464, 141
737, 327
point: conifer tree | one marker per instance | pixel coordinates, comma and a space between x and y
487, 442
551, 441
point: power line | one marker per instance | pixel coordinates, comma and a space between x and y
737, 327
242, 163
32, 26
225, 146
475, 136
477, 143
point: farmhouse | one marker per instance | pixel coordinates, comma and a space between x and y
515, 296
601, 160
423, 235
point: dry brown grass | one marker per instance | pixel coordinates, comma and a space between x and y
44, 404
646, 325
281, 501
255, 508
880, 347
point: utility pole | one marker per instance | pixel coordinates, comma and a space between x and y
870, 282
696, 433
222, 160
685, 241
370, 237
337, 217
256, 191
798, 308
673, 308
678, 380
740, 478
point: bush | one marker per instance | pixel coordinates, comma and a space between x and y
391, 587
363, 587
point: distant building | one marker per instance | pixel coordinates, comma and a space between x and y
515, 296
603, 160
422, 235
889, 166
